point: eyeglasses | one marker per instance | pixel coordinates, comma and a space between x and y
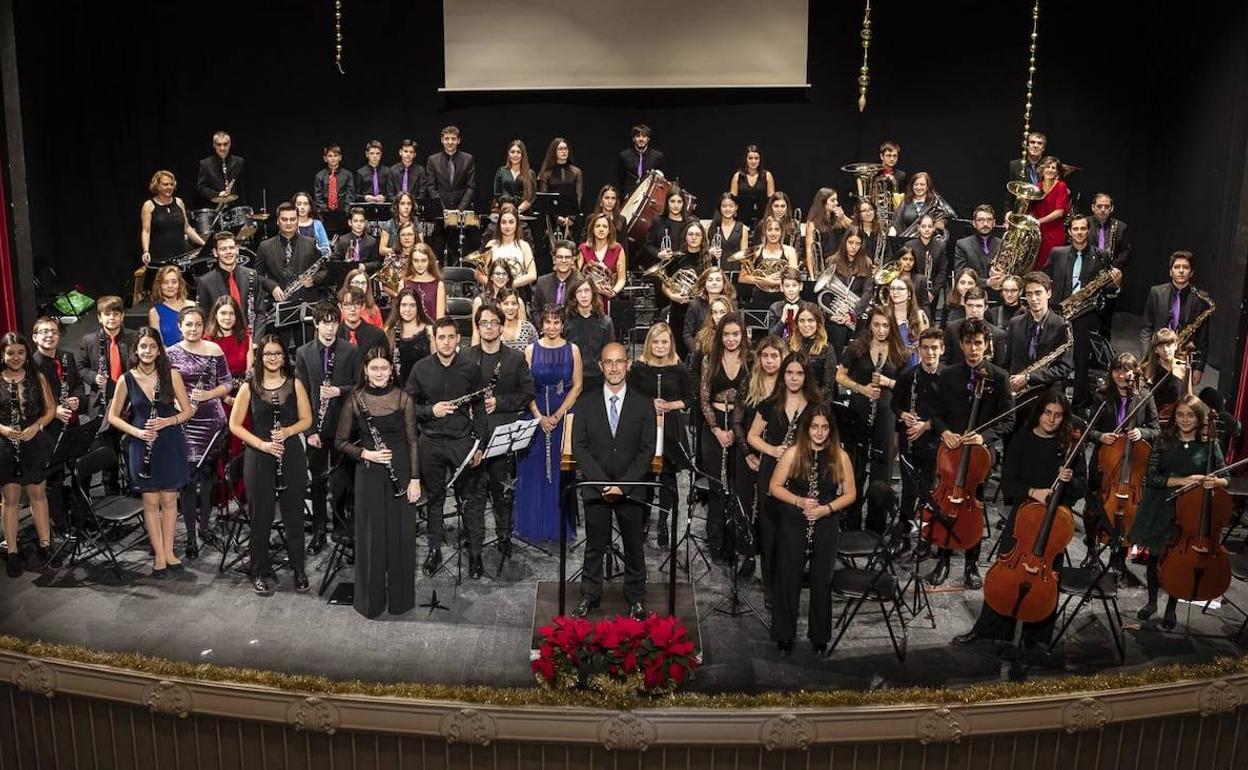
487, 323
273, 354
47, 333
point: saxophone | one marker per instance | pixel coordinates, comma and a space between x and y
1045, 360
1185, 334
1087, 298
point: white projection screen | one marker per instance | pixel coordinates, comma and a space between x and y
502, 45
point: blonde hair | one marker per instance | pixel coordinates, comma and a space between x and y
156, 296
655, 330
154, 185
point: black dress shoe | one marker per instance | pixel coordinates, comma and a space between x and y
192, 552
317, 543
210, 539
638, 611
1147, 611
971, 578
785, 647
819, 648
970, 637
13, 564
261, 586
939, 573
1169, 620
584, 608
432, 562
301, 581
476, 567
160, 574
664, 539
745, 570
922, 551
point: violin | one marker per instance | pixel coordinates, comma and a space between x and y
956, 521
1122, 465
1022, 584
1195, 565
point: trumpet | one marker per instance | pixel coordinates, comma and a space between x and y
716, 249
1021, 242
816, 253
680, 284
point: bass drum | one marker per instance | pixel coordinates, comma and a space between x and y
202, 220
643, 206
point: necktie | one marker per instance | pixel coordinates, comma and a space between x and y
1122, 410
376, 185
290, 252
614, 415
450, 169
60, 370
355, 249
1034, 343
559, 293
351, 335
1175, 307
984, 240
405, 180
639, 161
114, 359
1078, 271
1100, 238
1033, 173
333, 191
234, 289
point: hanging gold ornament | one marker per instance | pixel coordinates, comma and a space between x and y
338, 36
864, 72
1031, 75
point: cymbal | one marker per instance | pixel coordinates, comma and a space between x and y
263, 216
1068, 169
227, 198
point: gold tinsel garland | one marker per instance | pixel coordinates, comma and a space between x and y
623, 699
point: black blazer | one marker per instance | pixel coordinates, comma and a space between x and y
209, 182
457, 192
370, 257
969, 252
311, 372
212, 285
1157, 316
513, 390
626, 168
271, 263
953, 349
546, 291
1116, 243
346, 189
1053, 330
417, 181
89, 359
1018, 171
936, 252
625, 456
367, 337
1061, 270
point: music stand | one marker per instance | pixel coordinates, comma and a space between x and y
430, 208
335, 272
507, 439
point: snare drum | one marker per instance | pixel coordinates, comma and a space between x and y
202, 219
236, 218
454, 218
641, 208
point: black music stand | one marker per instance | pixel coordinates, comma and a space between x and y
430, 208
506, 440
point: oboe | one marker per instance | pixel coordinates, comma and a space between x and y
379, 444
323, 407
145, 468
812, 491
15, 424
279, 479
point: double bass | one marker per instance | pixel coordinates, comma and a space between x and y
1022, 584
955, 519
1122, 465
1195, 565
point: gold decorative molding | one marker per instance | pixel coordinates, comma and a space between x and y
1085, 714
313, 714
940, 726
1218, 697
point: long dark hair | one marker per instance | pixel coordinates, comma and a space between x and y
1123, 362
810, 385
550, 162
257, 371
828, 465
1170, 433
715, 358
1065, 430
571, 306
30, 373
861, 265
394, 320
861, 344
164, 373
373, 353
212, 331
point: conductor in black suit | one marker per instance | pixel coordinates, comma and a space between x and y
287, 255
217, 170
977, 251
622, 424
1174, 305
453, 173
243, 283
638, 160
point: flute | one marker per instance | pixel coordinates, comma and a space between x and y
379, 444
15, 424
546, 391
279, 478
145, 467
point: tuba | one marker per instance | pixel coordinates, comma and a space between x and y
1021, 242
837, 300
679, 284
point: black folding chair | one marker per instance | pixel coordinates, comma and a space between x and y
102, 526
875, 582
1088, 584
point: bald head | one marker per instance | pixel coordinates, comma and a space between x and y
614, 362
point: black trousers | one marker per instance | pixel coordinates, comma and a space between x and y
498, 472
196, 499
320, 460
385, 545
259, 473
871, 450
439, 457
1082, 328
786, 593
716, 459
765, 519
628, 517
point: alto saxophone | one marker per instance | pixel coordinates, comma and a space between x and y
1087, 298
1045, 360
1185, 334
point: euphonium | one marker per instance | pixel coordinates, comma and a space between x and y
937, 210
838, 300
1021, 242
680, 284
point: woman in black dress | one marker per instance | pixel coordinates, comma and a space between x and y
712, 284
690, 255
659, 375
665, 233
514, 181
608, 202
752, 185
559, 175
869, 370
157, 451
280, 412
728, 234
725, 371
812, 483
810, 338
165, 227
826, 225
588, 329
26, 408
764, 377
408, 329
378, 430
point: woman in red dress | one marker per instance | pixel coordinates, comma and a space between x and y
1050, 210
603, 247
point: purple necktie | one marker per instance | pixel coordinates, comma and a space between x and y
355, 247
1100, 238
376, 186
970, 388
405, 181
985, 242
559, 293
1122, 410
1034, 343
640, 158
1174, 308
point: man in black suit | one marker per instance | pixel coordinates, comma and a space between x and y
622, 424
406, 176
453, 174
1176, 304
356, 245
506, 370
372, 179
248, 287
1029, 171
103, 357
287, 255
218, 170
552, 288
333, 191
1034, 335
67, 388
328, 366
977, 251
1072, 267
1110, 236
976, 305
634, 163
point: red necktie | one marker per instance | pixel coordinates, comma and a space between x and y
234, 290
333, 191
114, 359
60, 370
351, 334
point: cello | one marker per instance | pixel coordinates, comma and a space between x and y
1195, 565
1022, 584
1122, 465
955, 518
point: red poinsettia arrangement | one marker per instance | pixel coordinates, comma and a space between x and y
653, 655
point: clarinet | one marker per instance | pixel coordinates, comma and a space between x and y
395, 360
145, 468
875, 402
15, 423
323, 409
101, 370
279, 479
812, 491
379, 444
64, 395
250, 331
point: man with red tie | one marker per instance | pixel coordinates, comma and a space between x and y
245, 285
103, 358
333, 190
354, 328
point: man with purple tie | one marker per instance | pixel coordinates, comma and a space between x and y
1110, 236
638, 160
1176, 304
406, 176
356, 245
370, 182
977, 251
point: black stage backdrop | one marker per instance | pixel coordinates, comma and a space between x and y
1151, 104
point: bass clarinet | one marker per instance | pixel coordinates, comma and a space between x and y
379, 444
15, 424
145, 467
279, 478
323, 407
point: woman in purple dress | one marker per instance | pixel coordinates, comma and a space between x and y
556, 365
204, 369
